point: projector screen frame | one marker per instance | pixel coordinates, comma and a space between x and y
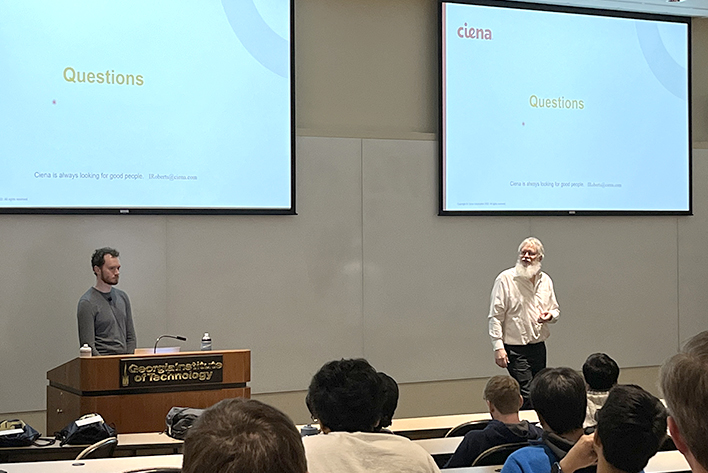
562, 9
158, 210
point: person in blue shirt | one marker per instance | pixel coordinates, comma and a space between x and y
630, 430
559, 398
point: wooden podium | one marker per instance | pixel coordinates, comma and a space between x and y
135, 392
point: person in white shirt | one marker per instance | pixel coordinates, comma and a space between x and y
523, 303
345, 396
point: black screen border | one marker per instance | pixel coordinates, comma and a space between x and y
128, 210
562, 9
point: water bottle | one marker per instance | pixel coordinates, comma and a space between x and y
85, 351
206, 342
309, 429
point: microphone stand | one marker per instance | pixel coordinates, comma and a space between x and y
176, 337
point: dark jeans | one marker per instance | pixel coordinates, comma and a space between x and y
525, 361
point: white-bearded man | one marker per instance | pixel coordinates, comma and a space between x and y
523, 303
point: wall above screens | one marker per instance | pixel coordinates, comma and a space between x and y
550, 110
147, 107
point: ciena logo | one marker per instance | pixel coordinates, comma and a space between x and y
474, 33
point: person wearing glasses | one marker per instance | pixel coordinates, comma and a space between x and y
523, 303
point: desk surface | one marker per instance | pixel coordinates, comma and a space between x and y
671, 461
438, 426
107, 465
442, 446
128, 444
662, 462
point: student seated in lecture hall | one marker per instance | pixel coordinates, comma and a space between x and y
684, 385
243, 436
630, 429
389, 391
559, 398
601, 373
503, 397
346, 397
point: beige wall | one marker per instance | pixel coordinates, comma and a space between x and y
365, 69
462, 396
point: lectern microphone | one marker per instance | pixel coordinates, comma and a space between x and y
176, 337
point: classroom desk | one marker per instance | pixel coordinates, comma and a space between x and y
437, 426
104, 465
662, 462
441, 446
416, 428
151, 443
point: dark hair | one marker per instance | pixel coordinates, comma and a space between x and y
631, 427
600, 372
345, 395
98, 257
389, 392
684, 384
243, 436
558, 396
503, 393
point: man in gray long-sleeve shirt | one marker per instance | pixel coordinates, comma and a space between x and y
104, 315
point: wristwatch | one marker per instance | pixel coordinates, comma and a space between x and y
556, 468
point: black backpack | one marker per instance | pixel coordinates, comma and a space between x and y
15, 433
179, 420
85, 430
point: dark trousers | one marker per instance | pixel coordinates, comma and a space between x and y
525, 361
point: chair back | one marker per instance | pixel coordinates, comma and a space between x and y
101, 449
462, 429
497, 455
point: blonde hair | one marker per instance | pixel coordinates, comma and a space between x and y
684, 384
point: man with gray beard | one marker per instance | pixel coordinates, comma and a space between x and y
523, 303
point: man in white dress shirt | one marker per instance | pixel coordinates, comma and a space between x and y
523, 303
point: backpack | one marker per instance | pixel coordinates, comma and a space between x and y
179, 420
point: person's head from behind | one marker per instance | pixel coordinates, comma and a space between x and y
243, 436
559, 398
503, 395
389, 392
630, 429
345, 395
684, 385
600, 372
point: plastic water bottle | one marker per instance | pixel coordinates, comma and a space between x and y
206, 342
85, 351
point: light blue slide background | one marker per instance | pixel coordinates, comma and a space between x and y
208, 108
633, 131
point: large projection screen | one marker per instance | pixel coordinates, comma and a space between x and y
135, 106
558, 110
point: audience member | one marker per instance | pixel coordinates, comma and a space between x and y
601, 373
346, 397
243, 436
389, 389
631, 427
503, 397
559, 398
684, 384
